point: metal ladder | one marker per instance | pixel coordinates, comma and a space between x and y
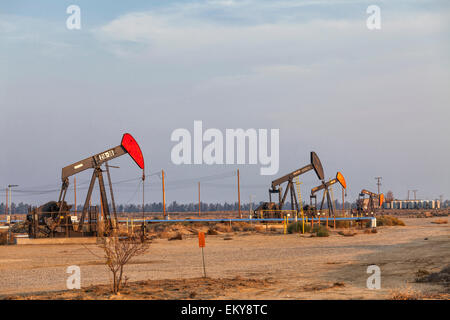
300, 201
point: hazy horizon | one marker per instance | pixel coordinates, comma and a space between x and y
369, 102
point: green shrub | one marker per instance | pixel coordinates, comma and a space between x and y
297, 227
320, 231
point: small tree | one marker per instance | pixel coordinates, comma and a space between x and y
389, 196
118, 252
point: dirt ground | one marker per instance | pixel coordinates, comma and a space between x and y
247, 266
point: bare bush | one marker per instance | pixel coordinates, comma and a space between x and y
118, 252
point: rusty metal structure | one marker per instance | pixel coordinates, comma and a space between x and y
325, 186
275, 209
53, 218
369, 205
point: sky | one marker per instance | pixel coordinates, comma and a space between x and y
369, 102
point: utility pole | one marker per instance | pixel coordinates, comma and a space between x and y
75, 194
378, 183
164, 195
408, 194
199, 202
10, 196
6, 207
239, 195
250, 205
143, 204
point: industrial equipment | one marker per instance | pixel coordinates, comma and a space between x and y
275, 209
325, 186
53, 218
370, 204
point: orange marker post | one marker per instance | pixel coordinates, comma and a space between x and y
201, 244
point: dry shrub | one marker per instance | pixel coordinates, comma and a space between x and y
342, 224
118, 252
3, 238
165, 235
420, 274
223, 228
260, 229
347, 233
440, 221
242, 226
389, 221
178, 236
212, 232
442, 277
405, 294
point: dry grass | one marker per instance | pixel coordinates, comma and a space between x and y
389, 221
173, 289
347, 233
440, 221
3, 237
406, 293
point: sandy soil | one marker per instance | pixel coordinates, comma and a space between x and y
249, 266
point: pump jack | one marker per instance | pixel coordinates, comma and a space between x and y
315, 165
325, 186
371, 201
59, 210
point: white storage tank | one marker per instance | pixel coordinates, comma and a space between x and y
420, 204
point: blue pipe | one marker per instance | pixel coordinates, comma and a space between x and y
236, 220
242, 220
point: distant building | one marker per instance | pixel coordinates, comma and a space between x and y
412, 204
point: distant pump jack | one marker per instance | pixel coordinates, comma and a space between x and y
257, 148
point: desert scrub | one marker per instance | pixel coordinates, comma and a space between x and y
320, 231
297, 227
342, 224
3, 237
387, 221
